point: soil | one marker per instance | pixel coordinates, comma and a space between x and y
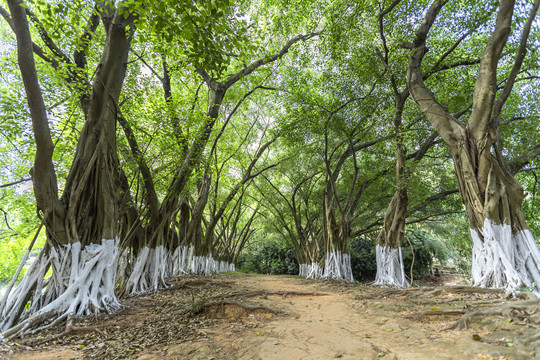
248, 316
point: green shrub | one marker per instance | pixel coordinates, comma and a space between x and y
363, 261
270, 258
425, 246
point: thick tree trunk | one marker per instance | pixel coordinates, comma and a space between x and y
337, 264
84, 254
390, 270
504, 251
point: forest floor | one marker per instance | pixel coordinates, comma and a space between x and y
248, 316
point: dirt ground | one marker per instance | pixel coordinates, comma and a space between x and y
247, 316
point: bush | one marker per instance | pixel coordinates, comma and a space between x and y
423, 255
363, 261
270, 258
425, 246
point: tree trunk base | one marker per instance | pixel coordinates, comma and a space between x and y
83, 283
206, 265
311, 271
390, 271
337, 266
149, 271
179, 261
505, 260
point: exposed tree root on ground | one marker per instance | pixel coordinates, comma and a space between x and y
265, 294
221, 305
420, 315
70, 328
515, 310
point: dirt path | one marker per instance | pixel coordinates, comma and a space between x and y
237, 316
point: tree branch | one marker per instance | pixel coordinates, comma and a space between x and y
524, 159
14, 182
521, 52
486, 83
233, 78
445, 124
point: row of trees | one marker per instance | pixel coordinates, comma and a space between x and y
168, 135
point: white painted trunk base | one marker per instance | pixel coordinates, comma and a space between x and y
337, 266
153, 266
505, 260
206, 265
82, 283
178, 263
149, 271
390, 271
311, 271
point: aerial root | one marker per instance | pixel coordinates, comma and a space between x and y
20, 328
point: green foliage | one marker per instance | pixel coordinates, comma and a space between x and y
330, 91
12, 250
363, 261
271, 258
426, 247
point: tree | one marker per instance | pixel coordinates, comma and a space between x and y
82, 232
504, 250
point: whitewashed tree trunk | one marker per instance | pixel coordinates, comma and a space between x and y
504, 251
504, 259
337, 266
311, 271
82, 283
390, 271
149, 271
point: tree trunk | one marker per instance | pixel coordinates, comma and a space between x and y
84, 254
337, 264
390, 271
504, 251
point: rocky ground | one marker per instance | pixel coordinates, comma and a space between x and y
247, 316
